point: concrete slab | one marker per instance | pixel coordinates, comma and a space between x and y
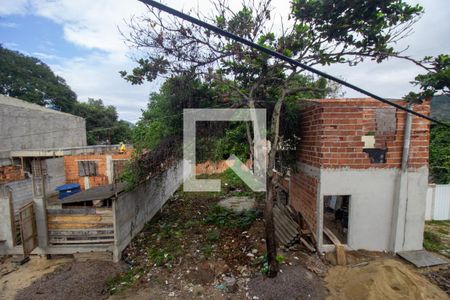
422, 258
238, 204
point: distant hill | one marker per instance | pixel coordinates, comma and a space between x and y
440, 108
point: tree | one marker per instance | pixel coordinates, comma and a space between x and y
436, 80
102, 124
321, 33
29, 79
440, 154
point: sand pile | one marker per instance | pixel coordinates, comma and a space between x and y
382, 279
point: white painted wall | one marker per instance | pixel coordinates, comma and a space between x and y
438, 202
372, 194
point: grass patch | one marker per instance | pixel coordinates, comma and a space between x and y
227, 218
213, 235
160, 256
123, 281
207, 250
439, 223
436, 237
432, 242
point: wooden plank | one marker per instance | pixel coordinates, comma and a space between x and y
340, 255
105, 241
340, 249
80, 211
331, 236
79, 218
28, 232
52, 226
307, 245
84, 232
53, 240
305, 231
81, 236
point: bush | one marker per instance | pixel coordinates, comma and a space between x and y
222, 217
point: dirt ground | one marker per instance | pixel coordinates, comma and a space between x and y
193, 250
14, 278
57, 278
380, 279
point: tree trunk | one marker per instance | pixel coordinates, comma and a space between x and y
268, 213
270, 230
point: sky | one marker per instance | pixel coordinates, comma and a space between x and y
80, 41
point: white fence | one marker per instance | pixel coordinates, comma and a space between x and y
438, 202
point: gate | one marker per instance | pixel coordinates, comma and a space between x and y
28, 232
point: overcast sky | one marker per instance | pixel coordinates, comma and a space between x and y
80, 41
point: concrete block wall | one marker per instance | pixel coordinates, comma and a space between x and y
135, 208
56, 174
27, 126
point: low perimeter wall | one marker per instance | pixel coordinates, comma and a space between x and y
135, 208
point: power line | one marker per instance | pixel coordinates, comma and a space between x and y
251, 44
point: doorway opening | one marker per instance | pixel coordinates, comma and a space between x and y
336, 218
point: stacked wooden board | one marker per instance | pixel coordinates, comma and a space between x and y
80, 226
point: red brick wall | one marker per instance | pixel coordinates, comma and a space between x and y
332, 129
11, 173
310, 127
72, 172
210, 167
303, 195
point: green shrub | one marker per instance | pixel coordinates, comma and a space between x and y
432, 242
222, 217
213, 235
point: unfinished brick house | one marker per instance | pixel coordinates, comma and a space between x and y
95, 169
349, 176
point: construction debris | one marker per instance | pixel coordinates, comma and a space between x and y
286, 229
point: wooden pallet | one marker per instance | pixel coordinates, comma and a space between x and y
80, 226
